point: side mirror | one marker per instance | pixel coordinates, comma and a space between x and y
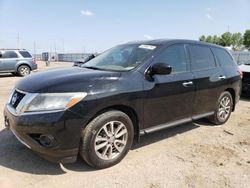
160, 69
1, 54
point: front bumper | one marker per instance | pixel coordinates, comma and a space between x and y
63, 126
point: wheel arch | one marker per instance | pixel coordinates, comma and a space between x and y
232, 92
20, 64
132, 114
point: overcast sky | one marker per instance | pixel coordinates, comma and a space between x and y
95, 25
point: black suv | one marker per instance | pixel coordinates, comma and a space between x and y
133, 89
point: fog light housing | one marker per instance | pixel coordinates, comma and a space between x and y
47, 140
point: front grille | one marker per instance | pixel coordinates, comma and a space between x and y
16, 98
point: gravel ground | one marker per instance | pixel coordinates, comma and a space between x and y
192, 155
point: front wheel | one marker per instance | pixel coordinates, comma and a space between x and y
107, 139
223, 109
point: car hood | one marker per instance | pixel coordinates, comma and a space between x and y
73, 79
245, 68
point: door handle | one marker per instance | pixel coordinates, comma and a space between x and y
222, 77
187, 84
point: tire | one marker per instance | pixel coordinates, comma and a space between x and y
23, 70
217, 118
94, 135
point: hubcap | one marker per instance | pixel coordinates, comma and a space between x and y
111, 140
224, 108
24, 71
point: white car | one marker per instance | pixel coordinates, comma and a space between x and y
245, 68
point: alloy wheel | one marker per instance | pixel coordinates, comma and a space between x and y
224, 108
111, 140
24, 71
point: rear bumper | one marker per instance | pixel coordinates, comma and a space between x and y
64, 127
34, 67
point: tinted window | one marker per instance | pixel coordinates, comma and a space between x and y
25, 54
201, 57
9, 54
223, 57
174, 56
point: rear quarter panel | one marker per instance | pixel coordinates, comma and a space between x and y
27, 62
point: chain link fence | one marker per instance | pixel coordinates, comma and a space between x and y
241, 57
71, 57
67, 57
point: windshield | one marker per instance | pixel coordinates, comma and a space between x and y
121, 58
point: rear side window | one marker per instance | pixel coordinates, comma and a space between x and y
25, 54
174, 56
223, 57
9, 54
202, 57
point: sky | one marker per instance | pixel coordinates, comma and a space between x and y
96, 25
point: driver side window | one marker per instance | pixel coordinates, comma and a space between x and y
174, 56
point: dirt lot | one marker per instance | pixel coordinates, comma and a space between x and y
192, 155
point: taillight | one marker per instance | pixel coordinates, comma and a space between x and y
240, 72
34, 60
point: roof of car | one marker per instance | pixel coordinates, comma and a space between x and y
165, 41
13, 49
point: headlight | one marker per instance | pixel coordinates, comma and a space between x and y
53, 101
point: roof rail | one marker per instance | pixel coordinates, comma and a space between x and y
11, 49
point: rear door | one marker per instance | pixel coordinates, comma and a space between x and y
9, 60
209, 79
169, 98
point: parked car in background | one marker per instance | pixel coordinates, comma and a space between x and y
79, 62
245, 68
100, 108
17, 62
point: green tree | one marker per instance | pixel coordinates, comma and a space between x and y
216, 39
226, 39
210, 39
247, 39
202, 38
237, 41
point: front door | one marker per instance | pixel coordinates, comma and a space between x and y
9, 60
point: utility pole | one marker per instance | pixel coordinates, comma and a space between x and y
18, 40
34, 47
50, 47
63, 45
228, 28
55, 46
83, 49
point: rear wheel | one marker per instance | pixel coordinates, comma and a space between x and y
223, 109
23, 70
107, 139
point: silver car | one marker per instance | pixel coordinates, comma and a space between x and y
18, 62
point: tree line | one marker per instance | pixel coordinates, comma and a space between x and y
235, 40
